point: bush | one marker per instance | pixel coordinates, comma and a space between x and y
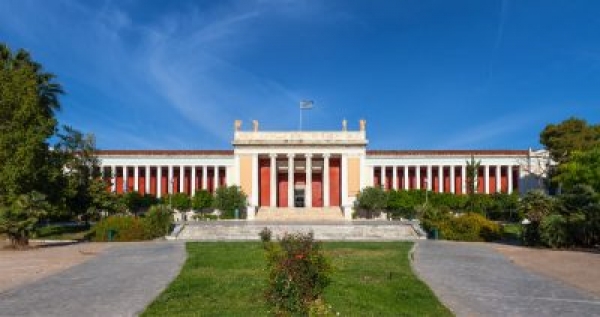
228, 199
179, 201
126, 228
554, 231
202, 200
157, 221
299, 273
372, 200
466, 227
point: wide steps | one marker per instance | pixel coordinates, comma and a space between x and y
341, 231
300, 214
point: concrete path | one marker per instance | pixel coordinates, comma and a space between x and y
472, 279
121, 281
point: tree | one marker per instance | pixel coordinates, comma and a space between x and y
28, 100
535, 205
76, 153
179, 201
472, 170
569, 136
372, 200
19, 219
202, 200
582, 168
228, 199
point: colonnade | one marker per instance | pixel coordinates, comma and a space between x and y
447, 178
291, 164
161, 180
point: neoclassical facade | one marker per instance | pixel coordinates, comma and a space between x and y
315, 169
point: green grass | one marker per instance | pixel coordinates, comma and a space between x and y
512, 231
57, 232
228, 279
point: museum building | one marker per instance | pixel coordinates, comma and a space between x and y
315, 169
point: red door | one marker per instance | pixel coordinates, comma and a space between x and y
265, 182
282, 184
317, 190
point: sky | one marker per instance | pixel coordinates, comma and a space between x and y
150, 74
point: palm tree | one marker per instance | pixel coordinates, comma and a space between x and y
48, 89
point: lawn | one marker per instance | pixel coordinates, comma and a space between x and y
228, 279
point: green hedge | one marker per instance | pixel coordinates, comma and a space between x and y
155, 223
465, 227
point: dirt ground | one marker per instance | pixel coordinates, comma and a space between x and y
20, 267
576, 268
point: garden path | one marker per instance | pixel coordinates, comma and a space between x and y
121, 281
473, 279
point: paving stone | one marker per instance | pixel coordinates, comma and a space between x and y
473, 279
121, 281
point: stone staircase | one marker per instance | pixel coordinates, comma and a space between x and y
313, 215
241, 230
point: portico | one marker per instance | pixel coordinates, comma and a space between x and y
299, 169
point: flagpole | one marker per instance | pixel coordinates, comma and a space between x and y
305, 105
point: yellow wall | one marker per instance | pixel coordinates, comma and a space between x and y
246, 174
353, 176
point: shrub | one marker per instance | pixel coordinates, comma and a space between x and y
466, 227
126, 229
179, 201
554, 231
299, 273
157, 221
371, 199
228, 199
202, 200
265, 235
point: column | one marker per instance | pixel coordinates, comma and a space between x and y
113, 179
326, 180
486, 178
440, 179
510, 179
405, 177
452, 179
344, 171
429, 178
204, 177
498, 176
170, 180
463, 178
147, 180
290, 181
255, 183
395, 177
125, 178
181, 178
273, 189
193, 188
308, 190
383, 177
216, 179
418, 176
136, 178
158, 181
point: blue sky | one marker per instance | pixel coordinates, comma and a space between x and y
152, 74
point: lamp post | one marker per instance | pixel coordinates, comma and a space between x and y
524, 225
426, 192
171, 194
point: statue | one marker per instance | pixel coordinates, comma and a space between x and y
363, 124
255, 125
344, 125
238, 125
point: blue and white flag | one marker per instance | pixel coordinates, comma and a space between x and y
306, 104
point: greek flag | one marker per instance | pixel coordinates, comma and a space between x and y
306, 104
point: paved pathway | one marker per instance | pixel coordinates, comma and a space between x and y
119, 282
472, 279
